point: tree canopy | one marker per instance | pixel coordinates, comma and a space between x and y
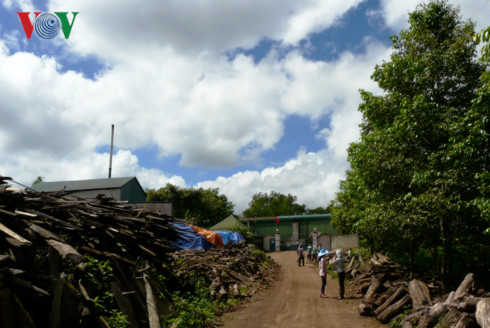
419, 173
273, 204
205, 207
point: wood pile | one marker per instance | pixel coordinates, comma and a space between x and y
387, 293
67, 262
231, 271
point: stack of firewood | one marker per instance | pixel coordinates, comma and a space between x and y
232, 271
67, 262
388, 294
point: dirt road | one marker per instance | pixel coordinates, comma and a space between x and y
293, 301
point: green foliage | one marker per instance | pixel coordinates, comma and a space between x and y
205, 207
194, 309
117, 320
273, 204
39, 179
419, 174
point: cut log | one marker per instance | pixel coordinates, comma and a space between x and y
483, 313
430, 319
465, 287
365, 309
373, 288
450, 298
393, 310
415, 318
467, 321
419, 292
392, 299
468, 304
450, 319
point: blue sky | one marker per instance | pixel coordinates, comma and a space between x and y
245, 96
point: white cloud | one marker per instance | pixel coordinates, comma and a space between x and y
169, 84
315, 16
312, 177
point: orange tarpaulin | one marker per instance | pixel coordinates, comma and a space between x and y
211, 236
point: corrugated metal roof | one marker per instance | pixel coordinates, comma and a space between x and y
90, 184
289, 217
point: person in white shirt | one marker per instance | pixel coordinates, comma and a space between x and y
339, 263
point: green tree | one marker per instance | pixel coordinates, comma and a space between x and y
205, 207
411, 182
39, 179
273, 204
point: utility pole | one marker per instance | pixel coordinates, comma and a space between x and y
110, 157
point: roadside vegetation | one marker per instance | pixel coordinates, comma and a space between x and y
419, 186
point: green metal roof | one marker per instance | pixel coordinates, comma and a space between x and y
228, 223
76, 185
288, 218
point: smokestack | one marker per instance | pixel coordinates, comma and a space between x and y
110, 158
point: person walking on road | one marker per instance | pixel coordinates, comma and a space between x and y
339, 263
308, 256
301, 255
313, 254
322, 265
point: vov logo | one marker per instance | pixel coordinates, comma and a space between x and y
47, 25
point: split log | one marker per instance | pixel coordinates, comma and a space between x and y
43, 232
483, 313
393, 310
419, 292
393, 298
54, 315
66, 251
153, 317
14, 235
466, 287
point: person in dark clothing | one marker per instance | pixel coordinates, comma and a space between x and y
301, 255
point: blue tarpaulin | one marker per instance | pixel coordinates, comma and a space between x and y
190, 239
229, 236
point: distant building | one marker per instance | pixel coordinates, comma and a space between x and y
121, 189
298, 229
128, 189
292, 227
